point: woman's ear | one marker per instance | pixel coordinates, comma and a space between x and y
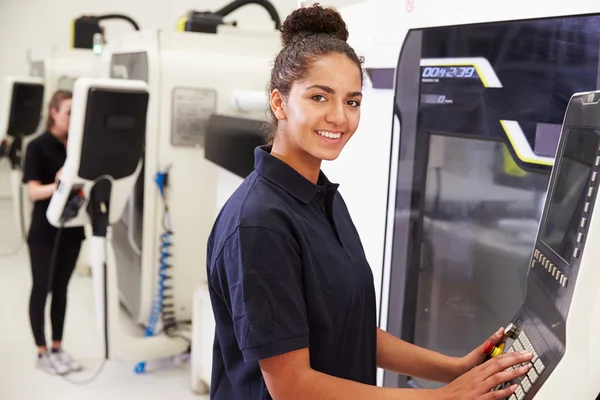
53, 111
277, 105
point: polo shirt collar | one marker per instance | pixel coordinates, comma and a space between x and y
54, 140
284, 176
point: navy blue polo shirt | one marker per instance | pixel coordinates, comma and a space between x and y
287, 271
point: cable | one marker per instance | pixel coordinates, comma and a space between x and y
266, 4
163, 307
119, 16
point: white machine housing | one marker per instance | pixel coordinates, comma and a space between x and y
104, 269
191, 76
61, 67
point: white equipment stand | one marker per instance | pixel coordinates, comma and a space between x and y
21, 111
106, 137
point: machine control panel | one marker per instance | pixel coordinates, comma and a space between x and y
560, 283
541, 260
537, 367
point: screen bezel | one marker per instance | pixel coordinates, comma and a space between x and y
558, 164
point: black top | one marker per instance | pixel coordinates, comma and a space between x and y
44, 157
287, 271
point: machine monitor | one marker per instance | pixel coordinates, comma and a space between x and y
568, 199
24, 97
230, 143
480, 111
558, 321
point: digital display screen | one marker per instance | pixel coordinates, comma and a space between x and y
570, 191
449, 72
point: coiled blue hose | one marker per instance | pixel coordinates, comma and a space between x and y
161, 307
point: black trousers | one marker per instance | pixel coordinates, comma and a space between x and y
40, 256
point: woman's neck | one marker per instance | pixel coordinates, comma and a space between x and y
302, 162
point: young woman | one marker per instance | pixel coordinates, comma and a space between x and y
292, 293
44, 158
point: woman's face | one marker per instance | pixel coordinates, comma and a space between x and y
62, 117
322, 111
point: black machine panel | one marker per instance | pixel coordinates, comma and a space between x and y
114, 131
25, 108
539, 325
481, 108
230, 143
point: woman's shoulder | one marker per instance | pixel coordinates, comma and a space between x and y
38, 141
256, 203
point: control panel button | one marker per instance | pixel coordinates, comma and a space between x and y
583, 222
512, 331
519, 393
576, 253
532, 375
536, 253
597, 161
594, 176
558, 275
587, 207
590, 192
526, 384
580, 238
539, 366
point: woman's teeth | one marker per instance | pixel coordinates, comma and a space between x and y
329, 135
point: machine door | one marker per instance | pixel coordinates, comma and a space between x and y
480, 109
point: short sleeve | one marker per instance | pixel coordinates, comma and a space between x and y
259, 274
32, 168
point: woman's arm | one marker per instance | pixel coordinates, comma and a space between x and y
404, 358
290, 377
37, 191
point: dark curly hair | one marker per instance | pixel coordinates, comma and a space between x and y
307, 34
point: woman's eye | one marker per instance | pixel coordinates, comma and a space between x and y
319, 97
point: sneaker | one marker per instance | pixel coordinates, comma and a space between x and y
51, 363
66, 359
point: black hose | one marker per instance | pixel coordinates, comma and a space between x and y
119, 16
266, 4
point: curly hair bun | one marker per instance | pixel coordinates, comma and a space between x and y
313, 20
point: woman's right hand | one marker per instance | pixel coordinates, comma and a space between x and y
57, 176
477, 383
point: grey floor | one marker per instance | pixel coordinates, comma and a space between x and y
21, 380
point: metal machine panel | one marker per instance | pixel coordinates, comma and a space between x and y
479, 107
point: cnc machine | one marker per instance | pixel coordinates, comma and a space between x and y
471, 97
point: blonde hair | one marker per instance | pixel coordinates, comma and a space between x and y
57, 98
